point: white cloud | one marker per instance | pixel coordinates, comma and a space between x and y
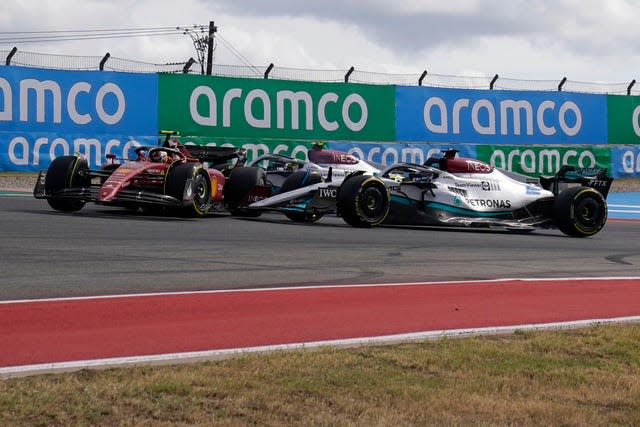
437, 6
585, 40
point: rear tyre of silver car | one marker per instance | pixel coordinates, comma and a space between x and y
241, 182
580, 211
363, 201
66, 172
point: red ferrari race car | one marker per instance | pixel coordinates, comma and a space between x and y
186, 179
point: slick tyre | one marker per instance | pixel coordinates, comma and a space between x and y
297, 180
66, 172
363, 201
580, 211
176, 185
241, 182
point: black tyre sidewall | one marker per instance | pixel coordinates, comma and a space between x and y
176, 180
363, 201
241, 182
580, 211
65, 172
202, 196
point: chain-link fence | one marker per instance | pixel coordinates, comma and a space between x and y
86, 63
110, 63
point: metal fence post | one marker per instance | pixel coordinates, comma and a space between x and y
346, 76
493, 81
13, 52
104, 61
424, 74
268, 70
630, 86
188, 65
562, 82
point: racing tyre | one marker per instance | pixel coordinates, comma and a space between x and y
580, 211
176, 184
363, 201
241, 182
66, 172
297, 180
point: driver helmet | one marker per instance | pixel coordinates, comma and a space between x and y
159, 156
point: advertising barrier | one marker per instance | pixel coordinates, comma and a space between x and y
543, 160
256, 147
528, 160
260, 108
623, 119
621, 162
499, 117
49, 113
388, 154
625, 161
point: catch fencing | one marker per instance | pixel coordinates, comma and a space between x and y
272, 71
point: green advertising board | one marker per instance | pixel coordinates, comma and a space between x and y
256, 147
261, 108
543, 160
623, 118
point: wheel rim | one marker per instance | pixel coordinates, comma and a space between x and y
202, 192
588, 212
372, 203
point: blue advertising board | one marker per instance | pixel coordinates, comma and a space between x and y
625, 161
387, 154
499, 116
48, 113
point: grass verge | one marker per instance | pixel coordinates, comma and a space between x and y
579, 377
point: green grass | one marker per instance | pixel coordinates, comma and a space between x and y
578, 377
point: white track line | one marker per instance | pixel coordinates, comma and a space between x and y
622, 211
285, 288
624, 206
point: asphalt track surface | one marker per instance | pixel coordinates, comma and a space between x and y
106, 251
51, 257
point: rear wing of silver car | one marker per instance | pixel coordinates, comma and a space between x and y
568, 176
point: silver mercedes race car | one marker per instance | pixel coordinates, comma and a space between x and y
445, 191
285, 174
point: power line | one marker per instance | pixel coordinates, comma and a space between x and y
89, 34
237, 53
198, 34
91, 30
76, 38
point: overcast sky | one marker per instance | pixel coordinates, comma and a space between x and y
584, 40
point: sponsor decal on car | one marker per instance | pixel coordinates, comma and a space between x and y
490, 203
330, 193
476, 166
490, 186
532, 190
468, 184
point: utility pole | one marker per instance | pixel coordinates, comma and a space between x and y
212, 31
